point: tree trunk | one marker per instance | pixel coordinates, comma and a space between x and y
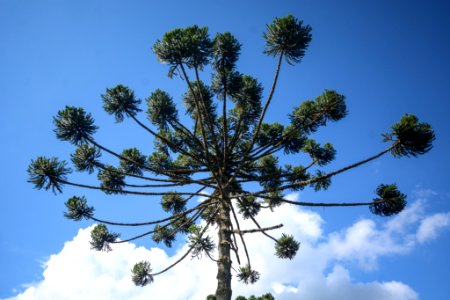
224, 291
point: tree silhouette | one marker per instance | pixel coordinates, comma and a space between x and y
217, 156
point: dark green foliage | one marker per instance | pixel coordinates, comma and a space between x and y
293, 140
320, 155
113, 181
270, 133
48, 173
269, 172
159, 161
190, 46
185, 162
289, 37
413, 138
332, 104
391, 200
161, 109
173, 202
310, 115
101, 238
120, 101
209, 214
134, 161
182, 224
78, 209
248, 206
211, 297
231, 80
274, 199
86, 158
286, 247
225, 50
200, 244
247, 99
267, 296
247, 275
142, 273
74, 125
296, 174
203, 94
171, 141
163, 234
322, 182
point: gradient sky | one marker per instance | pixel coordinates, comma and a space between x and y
388, 57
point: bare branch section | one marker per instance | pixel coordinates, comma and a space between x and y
121, 191
175, 216
183, 256
191, 220
258, 229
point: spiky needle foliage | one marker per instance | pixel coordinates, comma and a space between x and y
142, 273
247, 275
220, 155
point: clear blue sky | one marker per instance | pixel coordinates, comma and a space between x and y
387, 57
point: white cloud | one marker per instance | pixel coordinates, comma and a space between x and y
429, 227
337, 285
317, 272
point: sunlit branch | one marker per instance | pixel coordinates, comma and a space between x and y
258, 230
234, 245
240, 234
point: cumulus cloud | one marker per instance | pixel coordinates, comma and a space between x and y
430, 226
317, 272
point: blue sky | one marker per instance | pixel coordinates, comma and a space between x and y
387, 57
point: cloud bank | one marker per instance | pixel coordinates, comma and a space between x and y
318, 271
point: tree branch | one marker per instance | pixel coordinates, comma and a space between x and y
186, 179
182, 257
258, 127
258, 230
181, 214
118, 191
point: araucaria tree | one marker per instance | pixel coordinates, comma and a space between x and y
219, 155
